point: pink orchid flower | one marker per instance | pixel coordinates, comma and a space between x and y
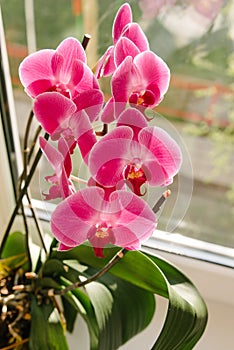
123, 27
141, 81
53, 110
60, 161
136, 154
124, 220
60, 119
60, 116
63, 70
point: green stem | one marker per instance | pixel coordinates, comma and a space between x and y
25, 151
21, 195
27, 154
37, 223
116, 258
33, 144
27, 238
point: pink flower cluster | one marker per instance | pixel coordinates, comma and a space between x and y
68, 99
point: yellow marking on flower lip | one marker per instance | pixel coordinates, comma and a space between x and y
140, 100
135, 173
102, 232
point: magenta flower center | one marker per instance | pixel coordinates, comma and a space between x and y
136, 177
145, 98
62, 89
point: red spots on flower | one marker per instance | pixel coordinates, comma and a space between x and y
62, 89
145, 99
136, 177
102, 237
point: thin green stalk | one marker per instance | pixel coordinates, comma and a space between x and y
27, 154
27, 237
37, 222
25, 151
116, 258
21, 195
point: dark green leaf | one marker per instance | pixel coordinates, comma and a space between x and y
187, 313
114, 310
53, 267
135, 267
70, 314
47, 283
82, 304
122, 310
46, 329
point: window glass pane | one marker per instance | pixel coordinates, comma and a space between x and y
196, 40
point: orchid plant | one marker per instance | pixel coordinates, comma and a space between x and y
94, 261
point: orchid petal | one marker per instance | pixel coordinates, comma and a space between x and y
122, 18
38, 87
62, 247
83, 133
121, 81
112, 110
153, 70
81, 212
71, 49
107, 167
54, 192
134, 33
56, 64
61, 164
54, 157
77, 72
133, 118
91, 101
108, 112
166, 152
136, 220
81, 78
36, 66
64, 149
124, 48
52, 109
106, 65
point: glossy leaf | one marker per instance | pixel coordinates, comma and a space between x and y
122, 309
46, 329
135, 267
82, 304
113, 309
70, 315
187, 314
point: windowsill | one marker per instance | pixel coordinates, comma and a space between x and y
178, 244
